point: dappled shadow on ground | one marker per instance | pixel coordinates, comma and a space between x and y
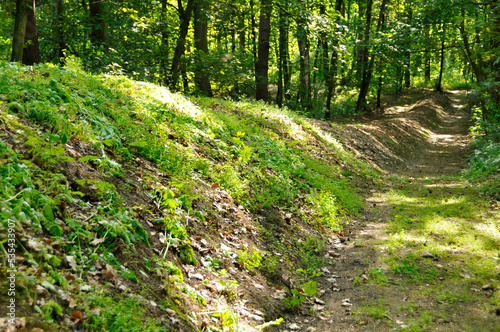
429, 242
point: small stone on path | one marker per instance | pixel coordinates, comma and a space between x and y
426, 254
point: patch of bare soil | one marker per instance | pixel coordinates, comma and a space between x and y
422, 134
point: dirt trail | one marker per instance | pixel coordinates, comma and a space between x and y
448, 141
417, 141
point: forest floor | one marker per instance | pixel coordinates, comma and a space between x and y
423, 255
136, 209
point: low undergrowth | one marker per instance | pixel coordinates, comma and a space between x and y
105, 180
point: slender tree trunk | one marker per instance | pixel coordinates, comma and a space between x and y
287, 67
496, 47
201, 79
61, 42
185, 16
427, 69
407, 53
305, 70
164, 42
232, 29
242, 32
98, 30
367, 72
282, 50
331, 72
439, 88
254, 36
316, 68
379, 91
19, 30
365, 81
465, 38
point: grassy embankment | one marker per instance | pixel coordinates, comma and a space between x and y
113, 185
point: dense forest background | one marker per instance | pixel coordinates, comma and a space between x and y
323, 59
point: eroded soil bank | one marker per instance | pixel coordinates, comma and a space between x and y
424, 254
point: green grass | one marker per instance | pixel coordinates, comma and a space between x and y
118, 314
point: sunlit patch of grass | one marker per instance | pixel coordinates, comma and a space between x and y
451, 296
421, 323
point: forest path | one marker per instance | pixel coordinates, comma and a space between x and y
423, 256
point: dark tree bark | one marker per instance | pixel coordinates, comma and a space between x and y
283, 77
31, 54
164, 42
254, 35
407, 55
98, 30
496, 47
368, 68
61, 40
262, 66
185, 16
407, 70
19, 30
465, 38
242, 32
427, 70
439, 87
304, 62
332, 69
379, 92
201, 78
366, 72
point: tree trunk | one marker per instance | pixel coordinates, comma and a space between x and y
379, 92
19, 30
427, 70
305, 70
98, 31
262, 66
282, 56
201, 78
407, 53
332, 69
477, 71
185, 16
61, 42
439, 88
496, 48
164, 42
407, 70
242, 32
254, 36
31, 54
367, 71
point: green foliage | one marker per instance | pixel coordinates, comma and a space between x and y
250, 258
308, 288
117, 314
51, 310
484, 161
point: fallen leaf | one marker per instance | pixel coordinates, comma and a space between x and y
76, 314
70, 277
109, 272
95, 242
215, 185
72, 262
